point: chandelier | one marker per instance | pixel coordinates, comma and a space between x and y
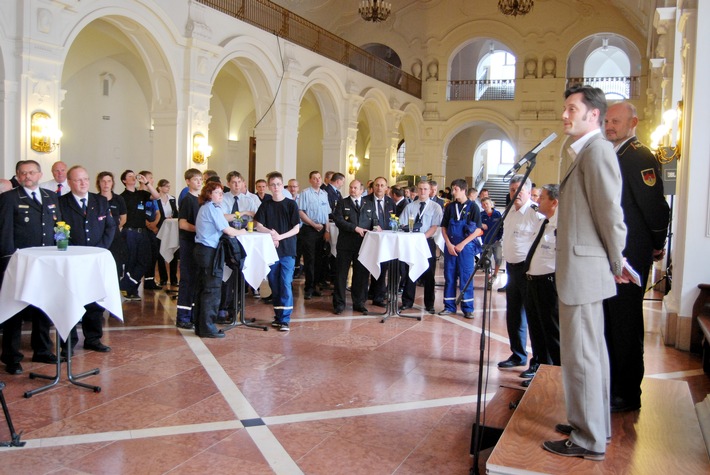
515, 7
374, 10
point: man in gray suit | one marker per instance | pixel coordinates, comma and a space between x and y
590, 239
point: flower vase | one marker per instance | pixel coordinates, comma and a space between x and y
62, 244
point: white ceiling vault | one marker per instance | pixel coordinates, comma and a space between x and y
341, 17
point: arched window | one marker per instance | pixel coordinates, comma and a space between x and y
497, 154
482, 70
401, 151
609, 62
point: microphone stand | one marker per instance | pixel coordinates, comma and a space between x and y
484, 262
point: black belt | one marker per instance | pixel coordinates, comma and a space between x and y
138, 230
550, 277
517, 264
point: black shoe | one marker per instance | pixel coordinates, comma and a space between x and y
468, 315
269, 299
275, 323
48, 359
317, 293
13, 368
185, 325
379, 303
447, 312
218, 334
621, 405
405, 307
152, 286
98, 346
360, 308
511, 363
503, 289
526, 383
308, 296
567, 429
530, 372
338, 310
567, 448
431, 310
133, 297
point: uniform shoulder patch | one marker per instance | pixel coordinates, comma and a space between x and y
649, 176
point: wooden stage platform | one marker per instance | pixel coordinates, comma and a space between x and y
663, 438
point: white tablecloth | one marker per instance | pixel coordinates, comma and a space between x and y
169, 235
383, 246
334, 233
261, 253
439, 239
60, 283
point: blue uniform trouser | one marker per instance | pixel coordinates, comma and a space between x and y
280, 280
209, 284
458, 268
138, 259
188, 279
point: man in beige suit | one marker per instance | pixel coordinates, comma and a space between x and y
590, 238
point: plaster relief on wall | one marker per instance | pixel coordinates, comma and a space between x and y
433, 71
44, 20
417, 69
549, 66
531, 68
42, 91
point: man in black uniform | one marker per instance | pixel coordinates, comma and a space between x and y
354, 216
27, 217
135, 232
646, 216
91, 223
384, 206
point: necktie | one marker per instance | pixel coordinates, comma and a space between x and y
537, 240
357, 205
421, 210
381, 214
34, 198
235, 206
83, 205
59, 189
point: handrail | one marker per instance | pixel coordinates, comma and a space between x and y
283, 23
629, 87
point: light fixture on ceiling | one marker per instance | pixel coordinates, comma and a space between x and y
353, 164
374, 10
44, 134
515, 7
201, 150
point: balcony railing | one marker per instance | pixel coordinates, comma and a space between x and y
286, 24
614, 87
481, 90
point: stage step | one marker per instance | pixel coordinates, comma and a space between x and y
664, 437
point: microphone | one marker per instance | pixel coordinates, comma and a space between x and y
531, 154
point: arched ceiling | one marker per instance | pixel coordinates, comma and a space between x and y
341, 17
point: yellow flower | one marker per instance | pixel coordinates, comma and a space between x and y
61, 223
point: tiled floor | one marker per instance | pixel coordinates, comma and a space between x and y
338, 394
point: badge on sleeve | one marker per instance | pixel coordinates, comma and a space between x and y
649, 176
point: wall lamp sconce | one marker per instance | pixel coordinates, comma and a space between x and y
396, 169
668, 133
201, 150
44, 134
353, 164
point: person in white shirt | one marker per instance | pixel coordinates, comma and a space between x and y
542, 306
519, 231
59, 184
